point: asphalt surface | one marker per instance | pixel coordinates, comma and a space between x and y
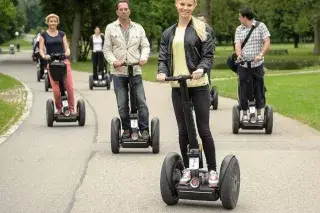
68, 168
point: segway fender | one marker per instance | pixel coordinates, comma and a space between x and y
224, 166
171, 159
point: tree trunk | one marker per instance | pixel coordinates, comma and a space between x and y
208, 12
316, 28
76, 32
296, 38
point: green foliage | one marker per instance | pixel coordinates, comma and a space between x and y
12, 18
7, 13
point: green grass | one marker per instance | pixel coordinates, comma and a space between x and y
222, 52
296, 96
7, 82
302, 54
9, 112
24, 45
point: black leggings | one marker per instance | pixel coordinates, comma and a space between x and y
98, 63
200, 98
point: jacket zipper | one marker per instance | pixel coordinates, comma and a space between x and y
197, 52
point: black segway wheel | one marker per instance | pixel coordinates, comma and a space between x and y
108, 83
90, 82
235, 119
50, 112
38, 75
155, 135
81, 110
268, 114
46, 83
115, 135
171, 172
215, 98
229, 182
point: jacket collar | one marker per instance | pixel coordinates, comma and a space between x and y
176, 24
254, 23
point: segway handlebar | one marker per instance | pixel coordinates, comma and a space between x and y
243, 61
178, 78
125, 64
56, 56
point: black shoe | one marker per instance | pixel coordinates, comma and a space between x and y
126, 134
145, 135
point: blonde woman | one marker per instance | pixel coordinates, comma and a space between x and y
55, 41
186, 48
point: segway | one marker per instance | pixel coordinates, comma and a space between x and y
47, 83
198, 188
214, 98
135, 141
11, 49
58, 71
103, 77
39, 76
252, 124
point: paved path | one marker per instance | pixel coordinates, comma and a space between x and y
72, 169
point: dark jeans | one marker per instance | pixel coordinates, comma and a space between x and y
249, 91
121, 89
200, 98
43, 63
98, 63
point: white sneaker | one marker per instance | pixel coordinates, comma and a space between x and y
260, 119
245, 119
213, 179
186, 177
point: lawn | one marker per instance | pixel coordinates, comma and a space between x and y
302, 56
9, 111
296, 96
151, 68
6, 82
24, 45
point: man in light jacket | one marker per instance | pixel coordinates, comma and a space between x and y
126, 41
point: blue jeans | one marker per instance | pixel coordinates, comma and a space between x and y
121, 89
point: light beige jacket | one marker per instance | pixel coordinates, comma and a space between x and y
115, 47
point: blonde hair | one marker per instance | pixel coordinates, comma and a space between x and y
52, 15
200, 28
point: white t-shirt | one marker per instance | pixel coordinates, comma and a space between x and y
97, 43
35, 41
